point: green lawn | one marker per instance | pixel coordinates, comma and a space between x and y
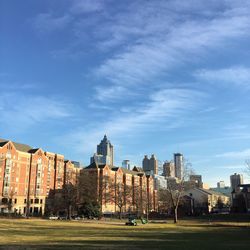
44, 234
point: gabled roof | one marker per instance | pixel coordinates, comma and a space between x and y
18, 146
138, 169
127, 171
2, 143
34, 150
210, 192
94, 165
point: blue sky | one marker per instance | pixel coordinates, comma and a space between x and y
155, 76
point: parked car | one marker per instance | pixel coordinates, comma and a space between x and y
76, 217
53, 217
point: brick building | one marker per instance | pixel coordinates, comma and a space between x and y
28, 175
119, 188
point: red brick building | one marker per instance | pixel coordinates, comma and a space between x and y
28, 175
114, 187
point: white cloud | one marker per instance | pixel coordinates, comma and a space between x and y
163, 105
149, 46
183, 43
242, 167
238, 76
20, 111
110, 93
244, 154
84, 6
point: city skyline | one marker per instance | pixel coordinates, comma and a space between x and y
156, 77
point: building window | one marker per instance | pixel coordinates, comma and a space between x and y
25, 200
41, 201
36, 201
31, 201
15, 201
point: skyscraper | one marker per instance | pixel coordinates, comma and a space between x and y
168, 169
150, 166
196, 180
221, 184
236, 179
178, 163
126, 164
105, 153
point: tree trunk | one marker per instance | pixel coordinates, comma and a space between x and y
175, 215
120, 213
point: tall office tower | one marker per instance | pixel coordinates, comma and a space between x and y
168, 169
105, 153
236, 179
221, 184
196, 180
126, 164
153, 162
145, 164
178, 163
150, 166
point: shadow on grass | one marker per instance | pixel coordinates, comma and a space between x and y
82, 236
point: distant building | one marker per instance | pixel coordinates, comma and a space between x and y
226, 190
206, 201
150, 166
160, 182
126, 164
236, 180
221, 184
241, 199
206, 185
178, 162
196, 180
104, 154
168, 169
98, 159
172, 182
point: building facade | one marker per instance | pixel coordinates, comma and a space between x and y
28, 175
196, 180
207, 201
241, 199
221, 184
236, 180
150, 166
178, 163
126, 164
168, 169
121, 190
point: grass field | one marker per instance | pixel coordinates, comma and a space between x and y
44, 234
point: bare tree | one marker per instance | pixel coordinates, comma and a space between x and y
141, 201
69, 193
247, 162
88, 190
176, 188
93, 192
121, 196
10, 201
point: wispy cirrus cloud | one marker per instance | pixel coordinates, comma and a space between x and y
149, 46
236, 167
85, 6
30, 110
237, 76
163, 105
244, 154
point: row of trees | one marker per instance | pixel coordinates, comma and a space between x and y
90, 194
